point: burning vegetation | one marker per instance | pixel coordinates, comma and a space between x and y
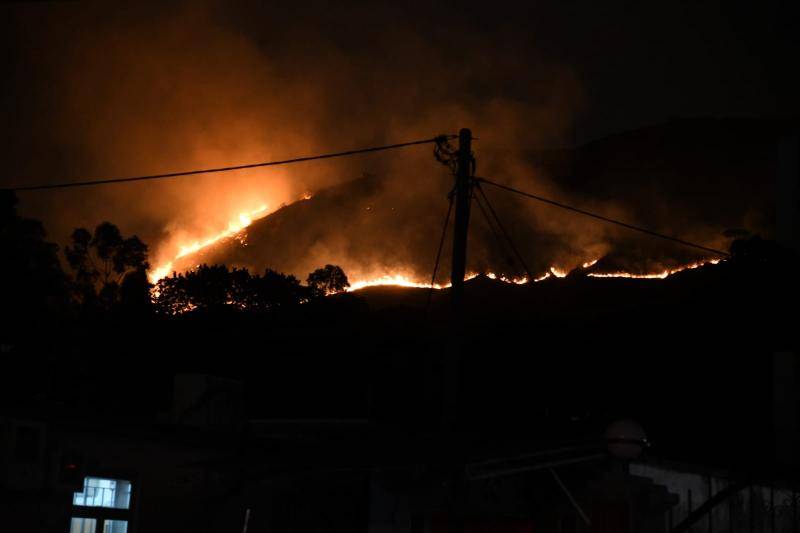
293, 235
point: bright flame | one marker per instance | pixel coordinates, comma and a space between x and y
235, 226
397, 280
516, 281
657, 275
401, 280
161, 272
234, 229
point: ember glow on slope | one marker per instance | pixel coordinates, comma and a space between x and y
406, 281
243, 220
233, 230
657, 275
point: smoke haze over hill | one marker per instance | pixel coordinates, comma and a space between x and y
156, 88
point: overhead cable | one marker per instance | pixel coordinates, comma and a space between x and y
106, 181
603, 218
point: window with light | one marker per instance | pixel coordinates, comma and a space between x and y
103, 506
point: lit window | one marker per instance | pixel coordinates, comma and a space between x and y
102, 507
101, 492
83, 525
115, 526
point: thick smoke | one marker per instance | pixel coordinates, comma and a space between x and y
147, 89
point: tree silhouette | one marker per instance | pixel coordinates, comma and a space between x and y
328, 280
103, 262
274, 291
217, 288
31, 280
134, 293
208, 287
171, 296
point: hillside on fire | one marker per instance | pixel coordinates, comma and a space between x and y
378, 226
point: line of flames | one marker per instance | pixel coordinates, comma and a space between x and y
657, 275
234, 230
400, 280
243, 220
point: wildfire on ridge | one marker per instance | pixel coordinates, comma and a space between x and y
657, 275
401, 280
516, 281
234, 229
243, 220
397, 280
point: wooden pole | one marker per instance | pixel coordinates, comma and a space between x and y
463, 193
461, 227
452, 366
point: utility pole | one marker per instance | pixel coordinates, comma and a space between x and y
452, 367
463, 189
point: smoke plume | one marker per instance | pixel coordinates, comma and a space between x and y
148, 89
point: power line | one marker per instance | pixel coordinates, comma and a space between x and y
503, 230
496, 235
497, 238
451, 197
106, 181
604, 219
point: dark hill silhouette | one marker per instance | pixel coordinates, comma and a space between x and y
692, 165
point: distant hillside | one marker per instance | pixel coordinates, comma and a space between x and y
704, 169
692, 178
